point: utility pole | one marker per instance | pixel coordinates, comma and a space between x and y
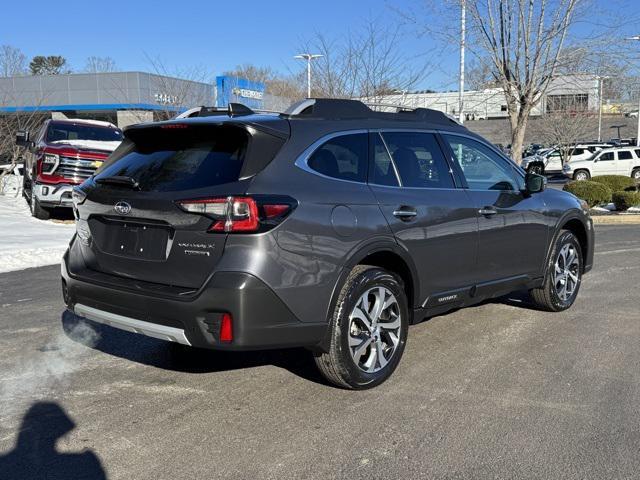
308, 57
463, 8
600, 78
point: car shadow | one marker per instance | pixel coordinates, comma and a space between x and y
519, 298
35, 455
179, 358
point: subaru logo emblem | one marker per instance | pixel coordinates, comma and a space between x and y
123, 208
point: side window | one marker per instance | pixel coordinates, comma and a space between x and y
605, 157
554, 154
344, 157
482, 167
382, 170
419, 160
625, 155
577, 151
637, 153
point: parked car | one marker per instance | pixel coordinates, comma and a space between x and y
550, 161
330, 227
632, 114
611, 161
62, 154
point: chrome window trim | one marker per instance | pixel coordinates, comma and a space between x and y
303, 159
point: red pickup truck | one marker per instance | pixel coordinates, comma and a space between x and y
62, 154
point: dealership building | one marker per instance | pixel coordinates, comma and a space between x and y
566, 93
122, 98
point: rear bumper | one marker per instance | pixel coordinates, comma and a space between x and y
55, 195
260, 319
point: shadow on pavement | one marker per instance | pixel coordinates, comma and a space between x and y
176, 357
35, 455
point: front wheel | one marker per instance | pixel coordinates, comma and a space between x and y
581, 175
37, 210
563, 277
636, 175
368, 330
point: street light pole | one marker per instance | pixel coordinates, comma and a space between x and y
308, 57
463, 8
600, 108
637, 37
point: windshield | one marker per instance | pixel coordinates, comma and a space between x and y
59, 132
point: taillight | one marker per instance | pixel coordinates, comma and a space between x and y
241, 214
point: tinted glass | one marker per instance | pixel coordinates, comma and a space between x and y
172, 160
482, 167
577, 151
419, 160
59, 132
626, 155
605, 157
637, 153
382, 172
344, 157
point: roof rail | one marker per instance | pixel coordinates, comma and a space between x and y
351, 109
232, 110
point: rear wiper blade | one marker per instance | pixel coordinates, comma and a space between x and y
122, 180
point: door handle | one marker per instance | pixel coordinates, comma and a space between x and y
405, 213
487, 211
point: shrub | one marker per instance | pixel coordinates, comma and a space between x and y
625, 200
617, 183
593, 193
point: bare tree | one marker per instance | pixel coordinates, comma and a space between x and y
367, 63
178, 87
12, 61
12, 123
100, 65
282, 86
565, 129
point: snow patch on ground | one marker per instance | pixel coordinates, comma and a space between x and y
26, 241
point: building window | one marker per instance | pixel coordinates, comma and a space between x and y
503, 108
568, 103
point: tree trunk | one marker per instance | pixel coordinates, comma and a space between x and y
518, 121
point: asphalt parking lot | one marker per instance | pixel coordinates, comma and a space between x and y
494, 391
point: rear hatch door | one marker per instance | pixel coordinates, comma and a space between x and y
133, 224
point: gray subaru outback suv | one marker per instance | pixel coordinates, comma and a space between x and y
330, 226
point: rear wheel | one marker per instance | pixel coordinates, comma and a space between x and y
581, 175
563, 277
636, 174
368, 330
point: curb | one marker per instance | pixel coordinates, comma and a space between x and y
616, 219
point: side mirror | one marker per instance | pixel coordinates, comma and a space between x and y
22, 138
534, 183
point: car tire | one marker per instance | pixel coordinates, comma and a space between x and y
563, 276
636, 175
38, 211
537, 169
581, 175
366, 339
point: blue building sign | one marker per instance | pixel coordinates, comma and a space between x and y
239, 90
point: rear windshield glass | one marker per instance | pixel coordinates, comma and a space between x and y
58, 132
172, 159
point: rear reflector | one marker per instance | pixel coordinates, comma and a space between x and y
226, 328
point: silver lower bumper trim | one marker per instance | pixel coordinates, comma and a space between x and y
154, 330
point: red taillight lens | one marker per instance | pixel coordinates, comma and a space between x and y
226, 328
237, 214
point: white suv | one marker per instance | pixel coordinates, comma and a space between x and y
551, 160
610, 161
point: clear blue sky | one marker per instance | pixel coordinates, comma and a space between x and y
212, 34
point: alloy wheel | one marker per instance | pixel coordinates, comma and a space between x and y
374, 329
567, 272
